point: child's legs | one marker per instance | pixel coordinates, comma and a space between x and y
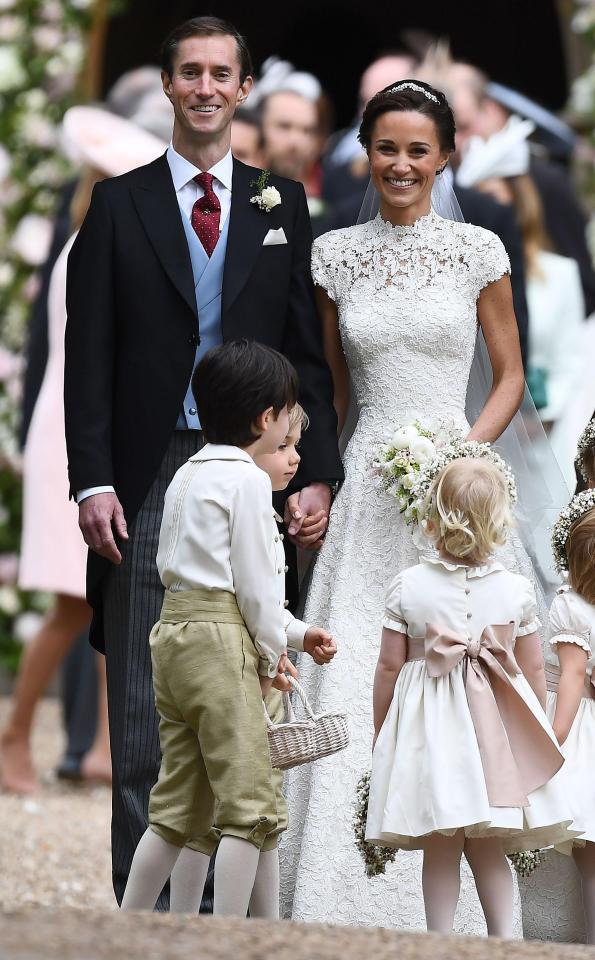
188, 881
236, 865
584, 857
152, 864
264, 901
493, 880
441, 879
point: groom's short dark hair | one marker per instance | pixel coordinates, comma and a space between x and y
236, 382
205, 27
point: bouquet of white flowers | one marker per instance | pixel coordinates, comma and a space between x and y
407, 465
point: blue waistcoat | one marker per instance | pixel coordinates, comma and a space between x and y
208, 284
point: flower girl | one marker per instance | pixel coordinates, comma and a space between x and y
571, 696
464, 756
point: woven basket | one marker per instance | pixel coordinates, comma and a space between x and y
294, 742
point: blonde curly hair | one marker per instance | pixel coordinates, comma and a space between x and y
468, 510
298, 417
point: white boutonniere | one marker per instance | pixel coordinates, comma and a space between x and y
267, 197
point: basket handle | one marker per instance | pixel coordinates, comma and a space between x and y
289, 713
297, 687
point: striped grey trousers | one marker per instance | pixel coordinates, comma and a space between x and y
132, 597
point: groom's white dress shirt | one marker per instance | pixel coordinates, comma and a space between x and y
187, 193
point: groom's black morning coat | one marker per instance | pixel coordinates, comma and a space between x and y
132, 329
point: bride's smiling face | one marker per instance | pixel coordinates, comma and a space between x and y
405, 154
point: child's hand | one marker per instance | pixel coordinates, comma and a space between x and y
265, 685
320, 645
285, 667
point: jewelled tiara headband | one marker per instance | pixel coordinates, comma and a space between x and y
417, 88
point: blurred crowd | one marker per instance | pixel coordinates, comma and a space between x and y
512, 173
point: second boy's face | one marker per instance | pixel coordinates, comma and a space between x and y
282, 465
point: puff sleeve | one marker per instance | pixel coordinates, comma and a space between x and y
394, 618
567, 623
530, 622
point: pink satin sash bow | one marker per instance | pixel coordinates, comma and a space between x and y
517, 754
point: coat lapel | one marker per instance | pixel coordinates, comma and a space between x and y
157, 206
248, 226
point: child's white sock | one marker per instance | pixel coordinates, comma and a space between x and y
235, 870
264, 901
152, 865
188, 881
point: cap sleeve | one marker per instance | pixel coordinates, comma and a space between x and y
393, 615
492, 260
568, 625
325, 268
529, 620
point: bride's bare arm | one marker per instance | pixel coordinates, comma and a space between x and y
498, 322
333, 351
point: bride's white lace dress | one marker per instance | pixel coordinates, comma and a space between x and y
407, 304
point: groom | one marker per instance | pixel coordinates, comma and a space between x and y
172, 259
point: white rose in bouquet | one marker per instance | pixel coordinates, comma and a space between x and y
404, 437
422, 450
409, 479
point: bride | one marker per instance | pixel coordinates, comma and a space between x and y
400, 298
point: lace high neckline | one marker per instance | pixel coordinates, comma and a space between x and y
385, 228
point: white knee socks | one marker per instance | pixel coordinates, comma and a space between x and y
493, 879
152, 865
441, 880
188, 881
235, 872
264, 901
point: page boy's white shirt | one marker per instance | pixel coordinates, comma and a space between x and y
218, 533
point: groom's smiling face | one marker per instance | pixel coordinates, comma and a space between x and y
205, 88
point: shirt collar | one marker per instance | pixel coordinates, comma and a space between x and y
220, 451
182, 171
478, 571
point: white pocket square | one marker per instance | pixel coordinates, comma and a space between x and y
273, 237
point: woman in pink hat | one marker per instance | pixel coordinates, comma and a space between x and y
53, 554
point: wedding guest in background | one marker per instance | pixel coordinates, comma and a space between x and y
290, 137
53, 558
246, 137
132, 96
480, 114
499, 166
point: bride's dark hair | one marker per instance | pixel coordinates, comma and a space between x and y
415, 96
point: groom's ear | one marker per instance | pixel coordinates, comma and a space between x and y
166, 84
244, 90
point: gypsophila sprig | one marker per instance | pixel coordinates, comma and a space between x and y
407, 465
375, 857
526, 861
586, 442
578, 506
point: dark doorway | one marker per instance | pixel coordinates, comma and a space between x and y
517, 42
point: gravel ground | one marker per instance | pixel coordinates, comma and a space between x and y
55, 846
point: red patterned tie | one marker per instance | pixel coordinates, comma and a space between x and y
206, 213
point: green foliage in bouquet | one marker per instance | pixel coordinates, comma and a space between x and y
375, 858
